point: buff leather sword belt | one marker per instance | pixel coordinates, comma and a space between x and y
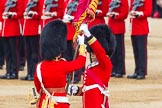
55, 90
55, 99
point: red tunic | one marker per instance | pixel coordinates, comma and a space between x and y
1, 19
117, 24
30, 26
54, 75
11, 27
99, 18
70, 27
59, 9
93, 98
140, 25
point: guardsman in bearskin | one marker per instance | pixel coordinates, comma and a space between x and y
101, 11
50, 76
101, 45
32, 15
12, 11
117, 13
140, 10
1, 40
51, 9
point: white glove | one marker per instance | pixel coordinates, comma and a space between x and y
33, 12
112, 14
81, 39
7, 15
54, 14
135, 14
139, 13
73, 90
68, 18
12, 13
84, 28
98, 11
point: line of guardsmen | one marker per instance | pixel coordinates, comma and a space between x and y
21, 22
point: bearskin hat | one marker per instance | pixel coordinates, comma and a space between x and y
105, 37
53, 39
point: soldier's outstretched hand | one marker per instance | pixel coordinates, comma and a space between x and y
84, 29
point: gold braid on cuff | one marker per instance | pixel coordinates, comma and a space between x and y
92, 40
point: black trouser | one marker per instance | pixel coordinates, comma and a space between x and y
159, 9
32, 53
118, 57
10, 45
1, 51
69, 55
139, 44
21, 51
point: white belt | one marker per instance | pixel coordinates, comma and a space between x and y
59, 99
102, 90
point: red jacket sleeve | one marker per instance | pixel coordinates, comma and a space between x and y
0, 19
103, 7
60, 9
75, 64
19, 9
146, 8
38, 10
100, 54
123, 10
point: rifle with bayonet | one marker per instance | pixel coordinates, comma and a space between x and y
72, 6
136, 4
113, 5
49, 4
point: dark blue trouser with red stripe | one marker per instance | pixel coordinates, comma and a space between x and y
118, 57
1, 51
10, 45
139, 44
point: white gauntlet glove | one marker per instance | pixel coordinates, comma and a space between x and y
8, 15
54, 14
136, 14
98, 11
112, 14
73, 90
84, 28
68, 18
81, 39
